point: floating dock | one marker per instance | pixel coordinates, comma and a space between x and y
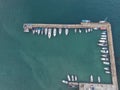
101, 26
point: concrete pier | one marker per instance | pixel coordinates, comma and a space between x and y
107, 26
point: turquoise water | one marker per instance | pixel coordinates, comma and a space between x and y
24, 58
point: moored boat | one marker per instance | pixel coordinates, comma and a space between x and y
64, 81
49, 33
99, 79
60, 31
68, 77
66, 31
106, 63
54, 32
91, 78
46, 30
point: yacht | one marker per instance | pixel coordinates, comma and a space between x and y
49, 33
106, 63
108, 72
79, 31
89, 30
46, 31
65, 82
103, 38
96, 28
68, 77
75, 30
91, 78
72, 78
60, 31
104, 51
42, 32
106, 68
33, 31
38, 31
66, 31
103, 33
86, 31
99, 79
104, 55
75, 78
54, 32
104, 48
104, 59
102, 44
102, 41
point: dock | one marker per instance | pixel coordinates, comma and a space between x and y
105, 25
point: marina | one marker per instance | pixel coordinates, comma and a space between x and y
107, 53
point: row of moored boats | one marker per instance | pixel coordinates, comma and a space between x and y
53, 31
92, 80
103, 43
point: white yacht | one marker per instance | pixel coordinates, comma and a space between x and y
89, 30
103, 38
49, 33
102, 41
86, 30
65, 82
79, 31
104, 48
68, 77
106, 68
72, 78
33, 31
104, 55
106, 63
104, 51
75, 78
108, 72
91, 78
42, 32
66, 31
104, 59
96, 28
38, 32
60, 31
99, 79
101, 44
46, 31
54, 32
75, 30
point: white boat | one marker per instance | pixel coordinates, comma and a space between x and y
103, 38
46, 31
49, 33
103, 33
86, 31
65, 82
66, 31
68, 77
60, 31
104, 55
89, 29
75, 30
102, 41
33, 31
99, 79
101, 44
79, 31
38, 32
72, 78
104, 51
76, 78
106, 63
106, 68
108, 72
96, 28
104, 48
104, 59
54, 32
42, 32
91, 78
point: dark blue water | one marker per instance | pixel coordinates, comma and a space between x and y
19, 59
